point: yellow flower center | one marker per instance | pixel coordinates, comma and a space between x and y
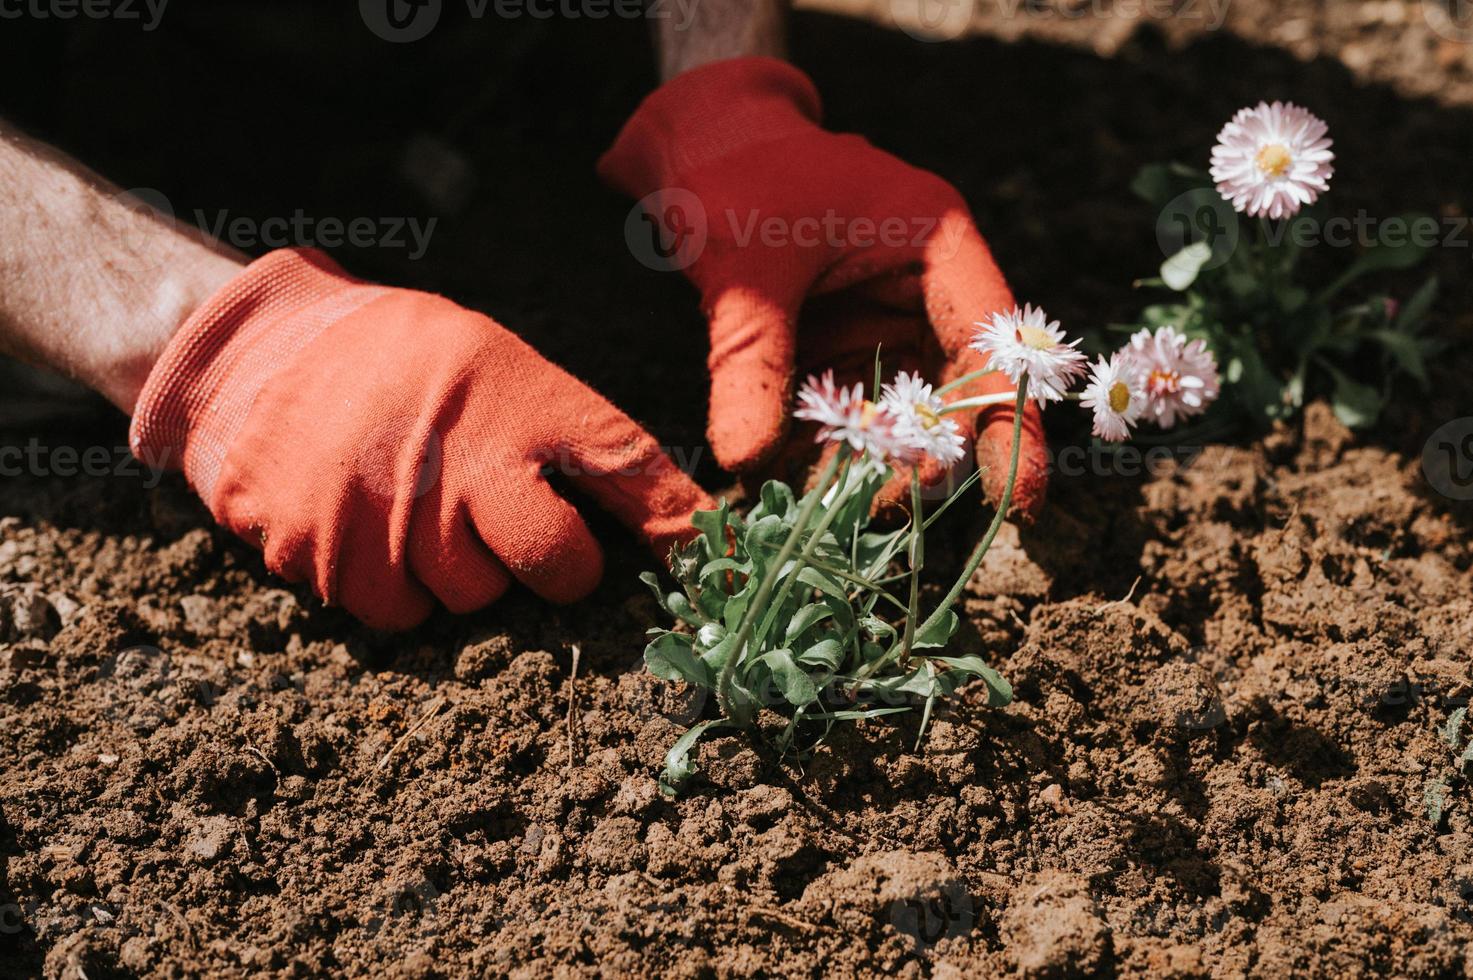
928, 417
1119, 397
1274, 159
1035, 337
867, 414
1163, 382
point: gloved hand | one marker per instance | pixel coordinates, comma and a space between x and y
388, 446
793, 212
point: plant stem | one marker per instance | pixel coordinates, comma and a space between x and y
980, 551
965, 379
1340, 282
980, 401
806, 555
769, 581
917, 558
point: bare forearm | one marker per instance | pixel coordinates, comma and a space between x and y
719, 29
89, 285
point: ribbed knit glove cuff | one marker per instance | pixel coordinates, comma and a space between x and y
201, 389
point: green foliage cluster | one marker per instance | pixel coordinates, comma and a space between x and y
1439, 789
1279, 340
827, 644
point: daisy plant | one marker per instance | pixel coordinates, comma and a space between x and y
797, 614
1246, 291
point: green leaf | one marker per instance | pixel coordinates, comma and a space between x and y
1402, 254
878, 629
1153, 184
712, 524
763, 541
1163, 314
717, 656
652, 580
718, 565
679, 767
812, 613
1453, 727
1291, 298
1158, 183
938, 634
1414, 314
1434, 797
1356, 405
1241, 284
827, 653
709, 637
999, 691
1406, 350
776, 498
1180, 271
671, 658
1258, 392
864, 481
1382, 256
796, 686
736, 606
853, 714
877, 550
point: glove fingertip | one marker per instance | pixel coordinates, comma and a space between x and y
994, 453
746, 441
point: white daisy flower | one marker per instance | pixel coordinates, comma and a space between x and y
844, 415
1272, 160
919, 422
1026, 340
1179, 376
1116, 395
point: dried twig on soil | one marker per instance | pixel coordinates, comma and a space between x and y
430, 712
572, 719
783, 918
1122, 600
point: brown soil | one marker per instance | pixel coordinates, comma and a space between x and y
1215, 770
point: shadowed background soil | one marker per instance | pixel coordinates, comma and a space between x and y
1222, 773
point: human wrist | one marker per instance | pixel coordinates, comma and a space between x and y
720, 29
118, 371
93, 281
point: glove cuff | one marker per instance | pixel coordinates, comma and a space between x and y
704, 114
200, 391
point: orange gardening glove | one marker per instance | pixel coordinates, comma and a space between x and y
389, 446
764, 210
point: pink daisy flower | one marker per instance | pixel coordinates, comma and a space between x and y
919, 422
1116, 394
1272, 160
1179, 376
1026, 340
844, 415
